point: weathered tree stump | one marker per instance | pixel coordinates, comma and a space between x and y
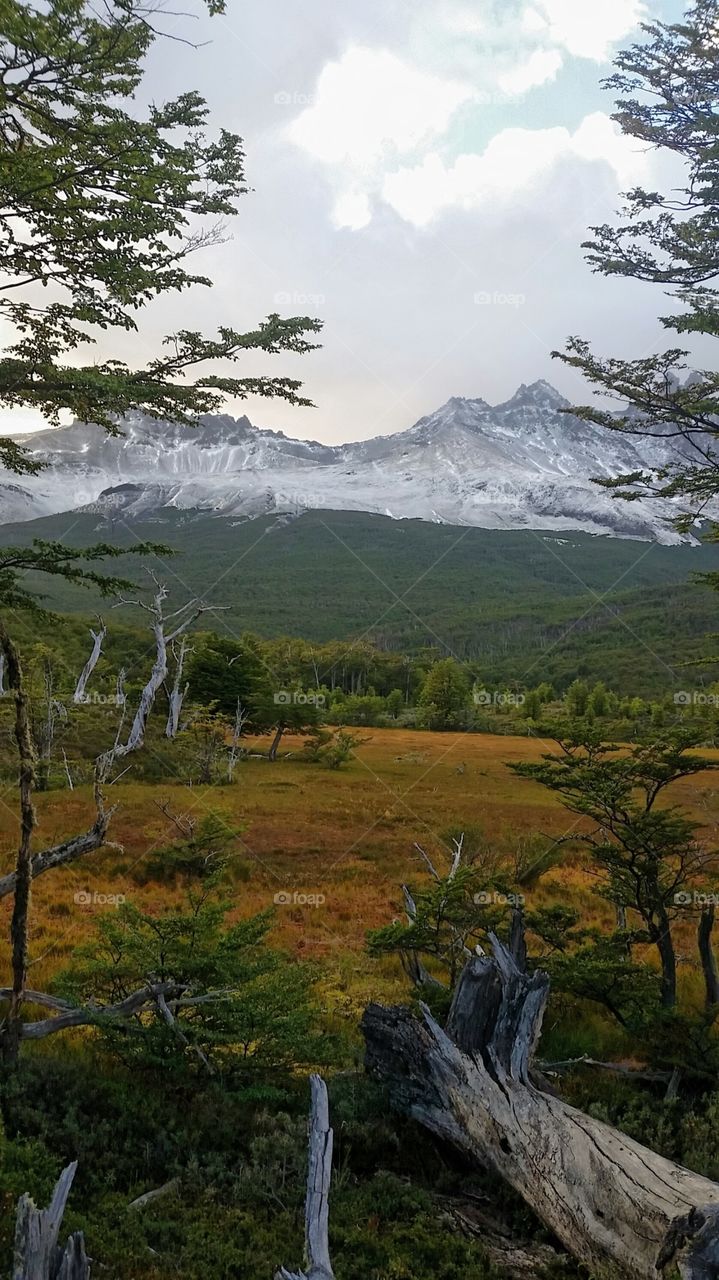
319, 1173
605, 1196
37, 1254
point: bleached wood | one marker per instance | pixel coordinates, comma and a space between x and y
604, 1195
319, 1173
177, 693
80, 694
36, 1254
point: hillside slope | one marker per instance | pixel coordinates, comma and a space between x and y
523, 602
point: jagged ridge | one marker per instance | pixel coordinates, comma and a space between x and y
520, 464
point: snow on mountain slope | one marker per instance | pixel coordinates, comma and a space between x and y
520, 464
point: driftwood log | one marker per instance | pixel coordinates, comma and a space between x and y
37, 1254
319, 1173
607, 1198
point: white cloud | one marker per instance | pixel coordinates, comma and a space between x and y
369, 103
513, 162
541, 66
585, 28
352, 209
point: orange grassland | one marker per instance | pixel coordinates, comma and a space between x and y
346, 835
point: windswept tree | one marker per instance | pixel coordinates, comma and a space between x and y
646, 852
668, 89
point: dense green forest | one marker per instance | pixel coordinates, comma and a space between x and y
527, 606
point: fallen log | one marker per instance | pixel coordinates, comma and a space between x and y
606, 1197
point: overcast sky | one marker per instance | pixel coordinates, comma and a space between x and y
423, 174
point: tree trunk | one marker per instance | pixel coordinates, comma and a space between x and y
662, 937
606, 1197
708, 959
319, 1173
23, 866
80, 694
177, 693
272, 754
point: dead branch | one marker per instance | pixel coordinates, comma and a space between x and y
80, 694
319, 1173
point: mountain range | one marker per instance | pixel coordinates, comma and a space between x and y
519, 464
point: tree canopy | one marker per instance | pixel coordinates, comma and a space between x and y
668, 89
102, 205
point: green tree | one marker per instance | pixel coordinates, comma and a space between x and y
578, 698
222, 670
263, 1017
445, 695
286, 711
395, 702
646, 855
668, 88
532, 706
598, 700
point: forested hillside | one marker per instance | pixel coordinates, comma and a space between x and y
516, 602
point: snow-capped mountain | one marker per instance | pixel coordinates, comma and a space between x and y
521, 464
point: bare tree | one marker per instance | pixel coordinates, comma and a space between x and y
182, 618
44, 726
28, 866
242, 716
177, 694
80, 694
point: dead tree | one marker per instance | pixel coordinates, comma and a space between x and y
37, 1254
319, 1173
44, 727
182, 619
29, 865
605, 1196
177, 694
80, 694
153, 998
241, 718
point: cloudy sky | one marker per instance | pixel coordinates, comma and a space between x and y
423, 174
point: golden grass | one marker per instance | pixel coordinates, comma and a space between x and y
347, 836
